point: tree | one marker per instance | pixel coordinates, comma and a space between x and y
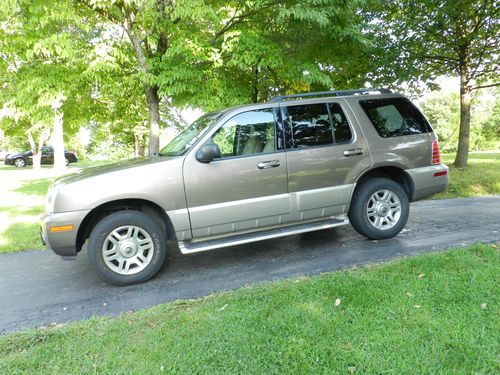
296, 47
443, 111
227, 51
421, 39
44, 52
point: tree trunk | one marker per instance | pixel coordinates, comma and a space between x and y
153, 102
37, 149
37, 156
58, 141
255, 84
463, 136
151, 92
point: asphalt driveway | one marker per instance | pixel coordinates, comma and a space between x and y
38, 288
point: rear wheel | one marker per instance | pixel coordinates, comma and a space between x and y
379, 208
20, 163
127, 247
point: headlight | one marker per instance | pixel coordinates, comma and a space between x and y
50, 199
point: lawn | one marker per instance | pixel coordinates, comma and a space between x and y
431, 314
22, 198
481, 177
22, 194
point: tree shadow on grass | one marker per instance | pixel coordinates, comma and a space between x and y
35, 187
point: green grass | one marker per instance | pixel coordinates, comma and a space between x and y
20, 210
432, 314
481, 177
35, 187
22, 198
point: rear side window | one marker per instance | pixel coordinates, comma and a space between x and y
395, 117
317, 124
341, 130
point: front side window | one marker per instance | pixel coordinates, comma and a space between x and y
185, 139
395, 117
247, 133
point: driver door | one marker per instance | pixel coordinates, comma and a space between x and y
245, 188
47, 155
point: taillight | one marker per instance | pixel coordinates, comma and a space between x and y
436, 153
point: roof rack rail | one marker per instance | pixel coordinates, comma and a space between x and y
329, 93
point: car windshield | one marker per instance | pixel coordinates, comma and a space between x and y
185, 139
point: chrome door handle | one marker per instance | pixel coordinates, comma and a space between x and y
268, 164
353, 152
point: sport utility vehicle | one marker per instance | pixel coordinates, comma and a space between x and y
295, 164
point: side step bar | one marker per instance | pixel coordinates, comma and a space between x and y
188, 247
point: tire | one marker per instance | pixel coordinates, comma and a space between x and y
379, 208
115, 247
20, 163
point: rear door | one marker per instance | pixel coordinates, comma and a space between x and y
246, 188
326, 151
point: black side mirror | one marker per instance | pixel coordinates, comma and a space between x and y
208, 152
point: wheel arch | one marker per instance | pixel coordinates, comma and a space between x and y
391, 172
105, 209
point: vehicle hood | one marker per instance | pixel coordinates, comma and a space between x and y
20, 154
91, 172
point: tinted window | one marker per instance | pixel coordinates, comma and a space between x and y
395, 117
318, 124
341, 130
310, 125
247, 133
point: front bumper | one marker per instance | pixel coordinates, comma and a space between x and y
428, 180
61, 242
8, 161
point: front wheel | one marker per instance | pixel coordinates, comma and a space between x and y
127, 247
379, 208
20, 163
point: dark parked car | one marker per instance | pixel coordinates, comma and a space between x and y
23, 159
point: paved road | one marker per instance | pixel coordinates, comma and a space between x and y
38, 288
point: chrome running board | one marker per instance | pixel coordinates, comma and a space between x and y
188, 247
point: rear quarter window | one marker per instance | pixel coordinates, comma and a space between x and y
394, 117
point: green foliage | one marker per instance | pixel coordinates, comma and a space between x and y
430, 314
44, 50
443, 111
219, 53
417, 40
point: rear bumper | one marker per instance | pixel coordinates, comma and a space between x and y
61, 242
428, 180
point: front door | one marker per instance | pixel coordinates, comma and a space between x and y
246, 188
47, 155
326, 152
